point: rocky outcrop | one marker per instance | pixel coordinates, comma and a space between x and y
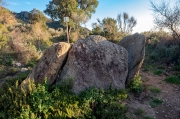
51, 62
23, 15
94, 61
135, 45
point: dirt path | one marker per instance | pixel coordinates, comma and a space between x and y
139, 105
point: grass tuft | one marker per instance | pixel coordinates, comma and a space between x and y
154, 89
156, 102
158, 72
173, 79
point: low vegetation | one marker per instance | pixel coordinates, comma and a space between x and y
139, 112
135, 85
148, 117
154, 89
173, 79
41, 101
25, 43
155, 102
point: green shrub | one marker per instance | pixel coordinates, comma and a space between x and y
154, 89
139, 112
176, 68
163, 53
105, 103
62, 38
40, 101
20, 76
158, 72
156, 102
6, 60
173, 79
136, 85
32, 63
43, 44
12, 98
148, 117
3, 41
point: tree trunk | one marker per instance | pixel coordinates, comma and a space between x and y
69, 30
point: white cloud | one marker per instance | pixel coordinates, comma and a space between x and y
28, 3
13, 3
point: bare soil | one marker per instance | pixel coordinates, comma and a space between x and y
139, 104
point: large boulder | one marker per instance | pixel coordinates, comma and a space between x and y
50, 64
94, 61
135, 45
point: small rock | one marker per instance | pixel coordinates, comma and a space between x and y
17, 64
166, 74
24, 69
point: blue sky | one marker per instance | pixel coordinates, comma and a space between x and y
140, 9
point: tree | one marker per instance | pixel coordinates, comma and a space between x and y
88, 6
79, 18
113, 29
110, 28
167, 17
36, 16
58, 9
126, 23
107, 28
96, 29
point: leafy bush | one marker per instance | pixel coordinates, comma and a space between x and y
156, 102
32, 63
6, 59
54, 32
3, 41
41, 101
164, 54
173, 79
12, 97
136, 85
105, 103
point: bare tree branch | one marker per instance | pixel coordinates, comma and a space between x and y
168, 17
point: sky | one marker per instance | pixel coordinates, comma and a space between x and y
139, 9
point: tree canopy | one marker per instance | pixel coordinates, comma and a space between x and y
167, 16
114, 29
78, 11
58, 9
126, 23
110, 28
37, 16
